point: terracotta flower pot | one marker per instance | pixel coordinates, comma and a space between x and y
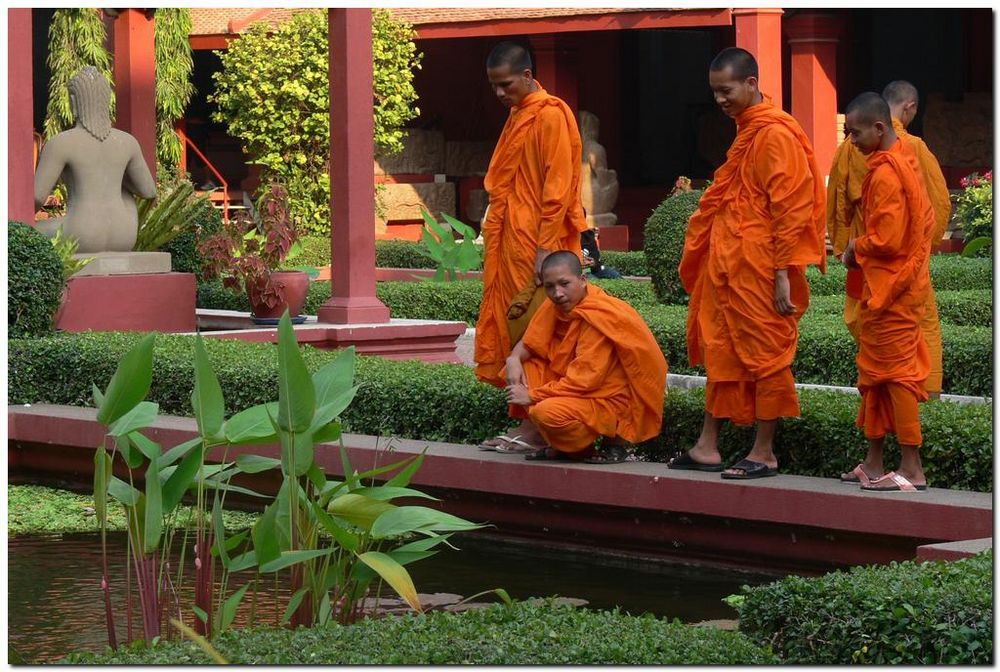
293, 285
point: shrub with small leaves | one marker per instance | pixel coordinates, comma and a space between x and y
665, 230
626, 263
34, 281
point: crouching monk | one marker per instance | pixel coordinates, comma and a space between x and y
588, 366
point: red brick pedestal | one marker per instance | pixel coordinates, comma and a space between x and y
134, 302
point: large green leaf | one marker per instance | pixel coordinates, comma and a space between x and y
244, 561
404, 519
345, 538
296, 453
130, 453
293, 604
98, 395
180, 450
140, 416
252, 425
408, 557
145, 445
335, 377
154, 508
296, 396
254, 464
181, 479
206, 398
102, 474
394, 574
219, 527
359, 510
402, 479
130, 382
265, 539
289, 558
123, 492
328, 434
328, 412
386, 493
424, 544
227, 612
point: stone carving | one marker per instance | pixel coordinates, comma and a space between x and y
960, 133
467, 159
423, 154
598, 183
103, 169
404, 201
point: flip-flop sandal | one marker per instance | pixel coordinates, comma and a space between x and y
857, 475
750, 470
613, 454
503, 438
546, 454
686, 462
899, 484
515, 446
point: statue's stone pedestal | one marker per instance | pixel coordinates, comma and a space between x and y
124, 263
602, 221
134, 302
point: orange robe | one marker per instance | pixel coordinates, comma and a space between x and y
843, 219
595, 371
894, 253
763, 211
534, 187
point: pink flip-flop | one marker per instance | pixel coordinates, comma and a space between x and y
859, 474
899, 484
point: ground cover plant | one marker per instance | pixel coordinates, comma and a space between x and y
905, 613
402, 399
524, 633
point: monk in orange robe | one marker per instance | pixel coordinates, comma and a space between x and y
587, 367
534, 188
843, 213
893, 255
745, 251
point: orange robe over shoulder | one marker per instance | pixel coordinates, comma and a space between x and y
843, 220
894, 253
595, 371
763, 212
534, 187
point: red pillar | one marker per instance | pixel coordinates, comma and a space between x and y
135, 94
352, 184
812, 38
556, 67
20, 147
758, 30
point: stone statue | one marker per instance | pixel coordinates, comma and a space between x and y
598, 183
102, 168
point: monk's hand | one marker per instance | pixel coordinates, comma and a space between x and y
517, 394
783, 293
848, 256
515, 372
540, 255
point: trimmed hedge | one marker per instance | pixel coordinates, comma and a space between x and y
34, 281
183, 249
665, 244
905, 613
388, 253
964, 308
626, 263
408, 400
949, 272
526, 633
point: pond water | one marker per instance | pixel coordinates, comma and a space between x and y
55, 604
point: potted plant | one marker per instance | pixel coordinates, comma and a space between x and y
247, 255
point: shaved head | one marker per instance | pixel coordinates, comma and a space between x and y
870, 107
511, 54
898, 92
740, 62
563, 258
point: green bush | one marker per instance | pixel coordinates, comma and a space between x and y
402, 254
526, 633
665, 244
407, 399
34, 281
904, 613
962, 308
949, 272
183, 249
626, 263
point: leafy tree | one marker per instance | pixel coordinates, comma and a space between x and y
273, 94
173, 79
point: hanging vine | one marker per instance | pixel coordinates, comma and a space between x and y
174, 89
76, 40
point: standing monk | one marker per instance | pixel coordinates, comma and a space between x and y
843, 212
757, 227
893, 254
534, 186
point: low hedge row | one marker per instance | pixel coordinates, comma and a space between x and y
949, 272
525, 633
406, 399
963, 308
904, 613
626, 263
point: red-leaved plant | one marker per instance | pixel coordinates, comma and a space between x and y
244, 254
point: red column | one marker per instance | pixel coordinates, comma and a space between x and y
135, 94
352, 185
556, 67
20, 147
812, 38
758, 30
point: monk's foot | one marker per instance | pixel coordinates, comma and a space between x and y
897, 481
689, 462
754, 465
865, 472
498, 441
704, 454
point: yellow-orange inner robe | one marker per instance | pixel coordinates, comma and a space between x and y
534, 186
595, 371
843, 218
764, 211
894, 253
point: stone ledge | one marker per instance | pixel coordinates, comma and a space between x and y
124, 263
954, 550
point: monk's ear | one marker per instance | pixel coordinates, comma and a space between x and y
527, 74
752, 81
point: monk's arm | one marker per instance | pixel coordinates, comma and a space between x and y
50, 167
557, 188
515, 370
595, 356
885, 217
781, 167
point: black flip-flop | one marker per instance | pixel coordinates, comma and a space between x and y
751, 470
613, 454
546, 454
686, 462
